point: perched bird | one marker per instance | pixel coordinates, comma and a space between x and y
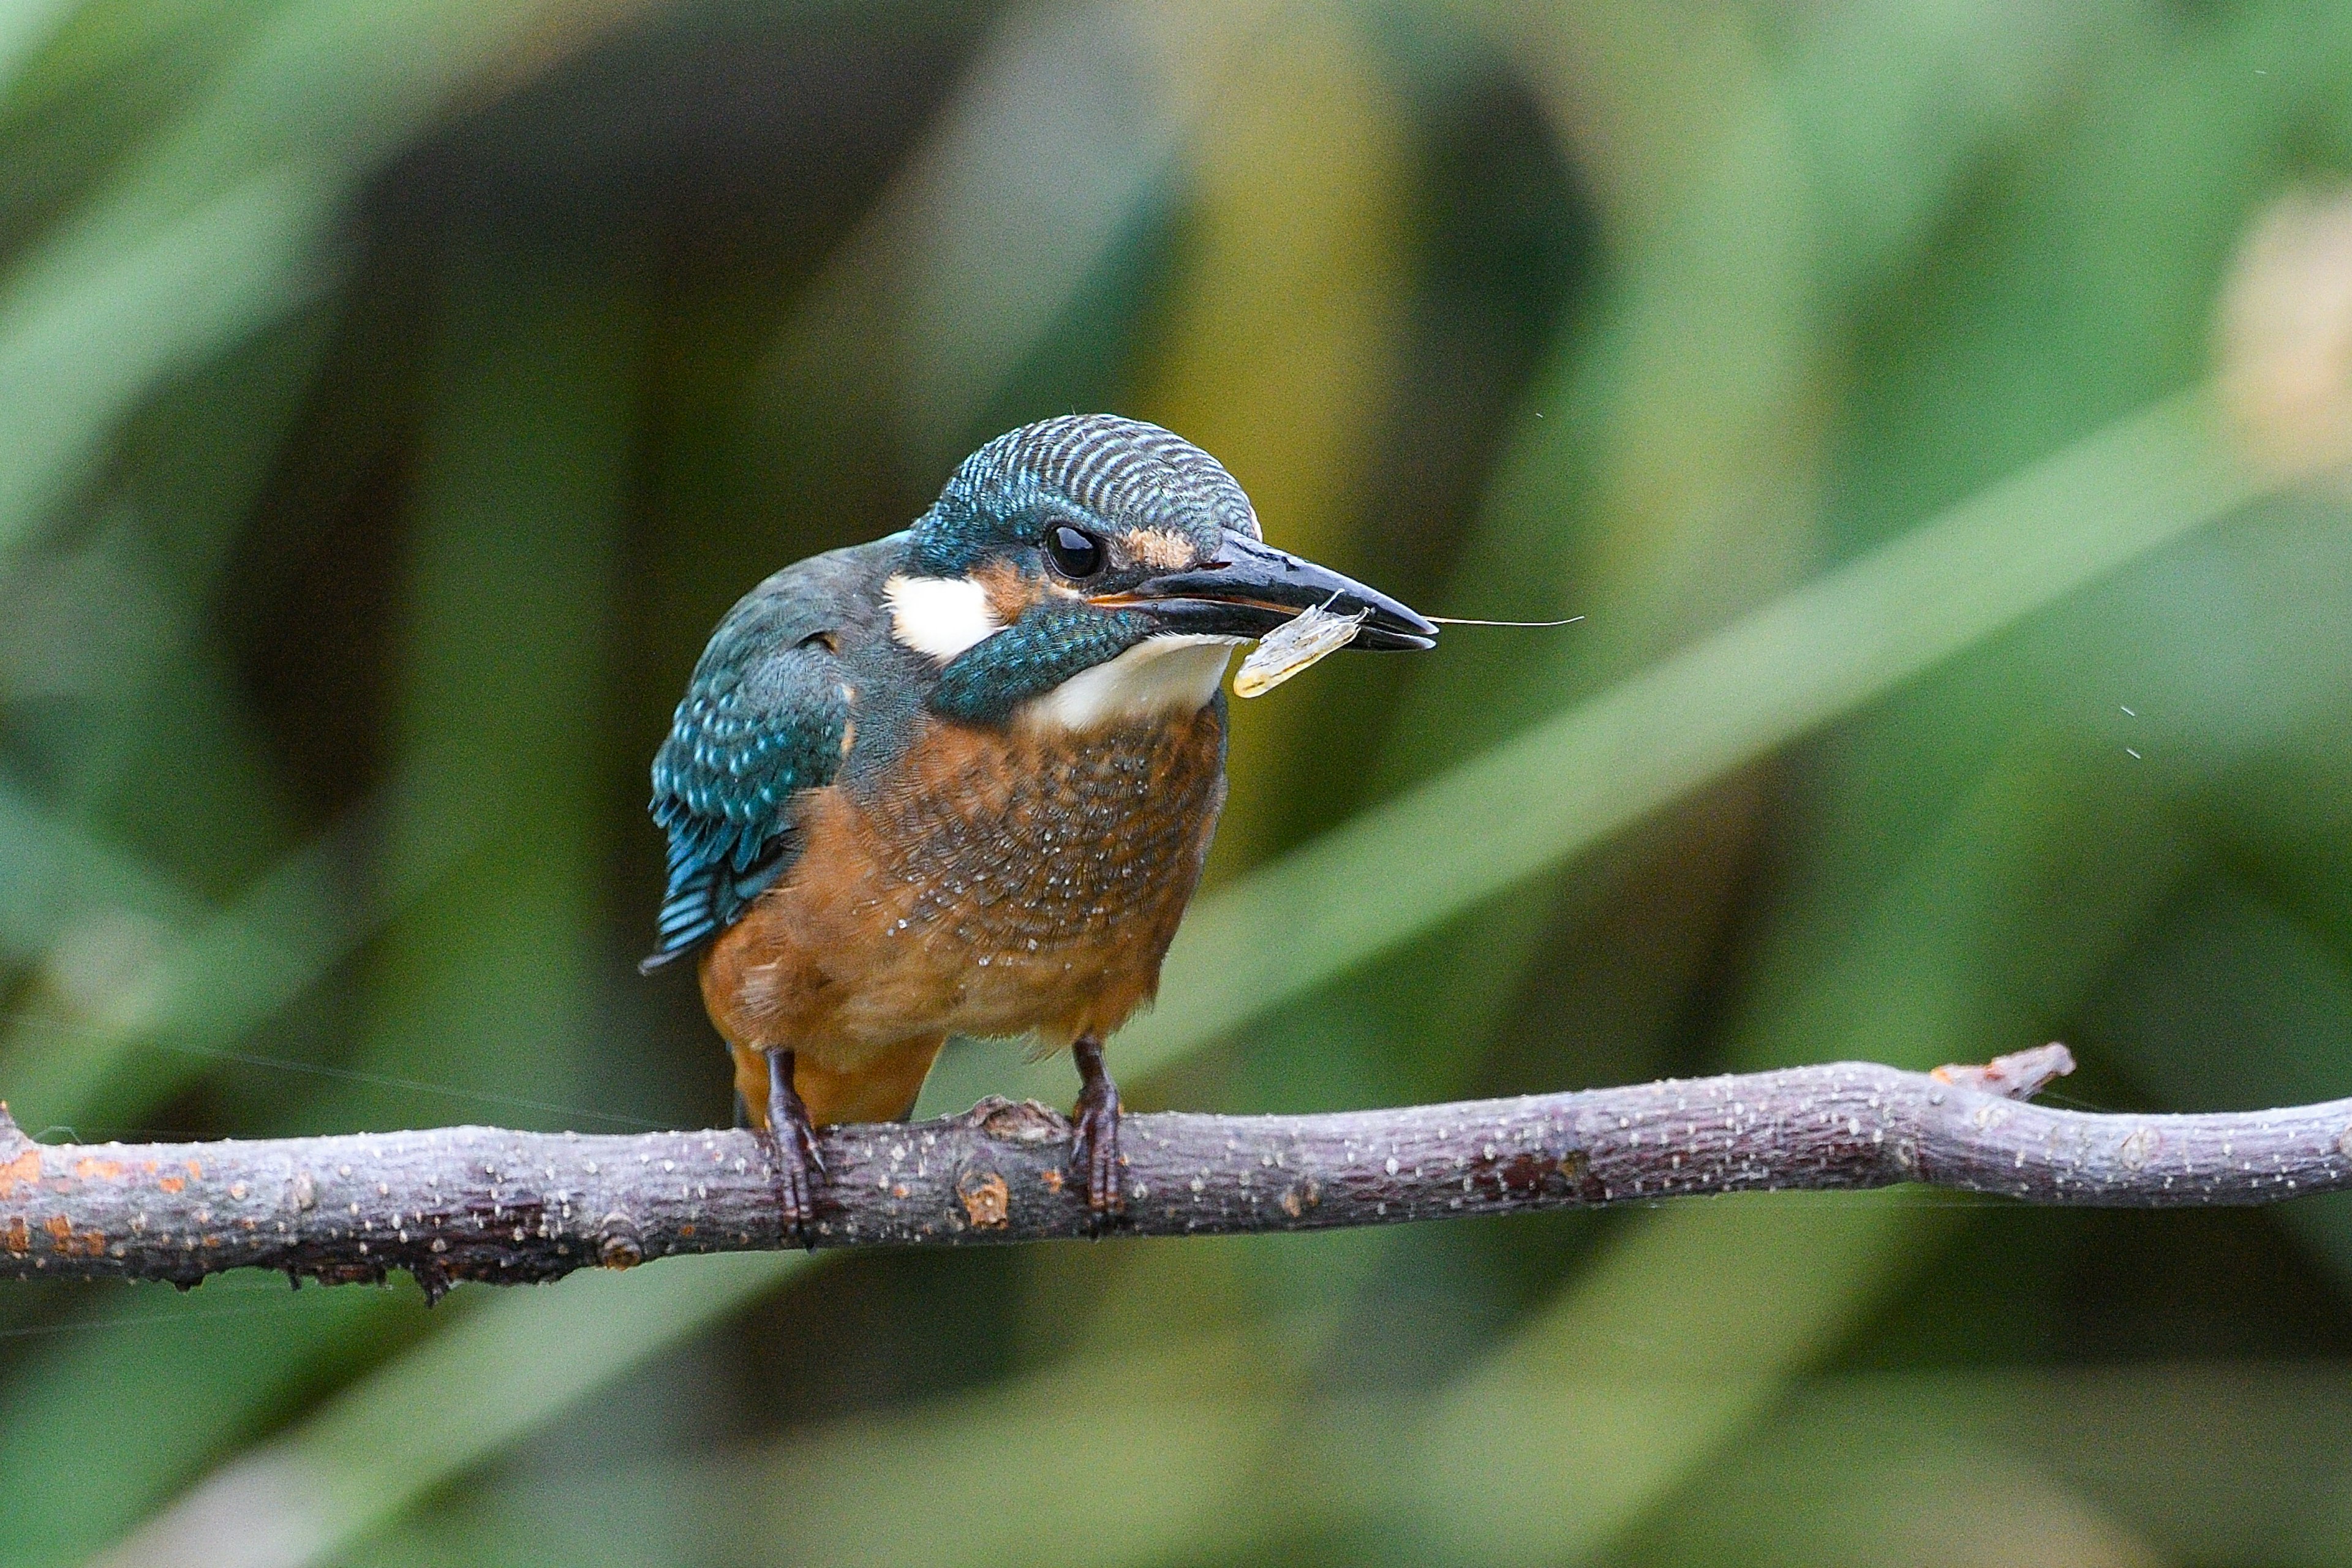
960, 780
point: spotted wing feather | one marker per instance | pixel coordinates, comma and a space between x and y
762, 721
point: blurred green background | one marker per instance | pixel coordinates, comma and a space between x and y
1936, 409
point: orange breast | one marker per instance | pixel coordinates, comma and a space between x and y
995, 882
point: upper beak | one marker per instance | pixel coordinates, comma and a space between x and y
1247, 589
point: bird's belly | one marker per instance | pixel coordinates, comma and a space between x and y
995, 883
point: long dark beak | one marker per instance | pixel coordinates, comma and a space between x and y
1247, 589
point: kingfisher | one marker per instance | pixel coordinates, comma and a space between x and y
961, 779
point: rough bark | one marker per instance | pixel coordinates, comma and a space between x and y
483, 1203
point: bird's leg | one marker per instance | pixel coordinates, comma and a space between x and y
1093, 1128
793, 1141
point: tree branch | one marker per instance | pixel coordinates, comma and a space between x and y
479, 1202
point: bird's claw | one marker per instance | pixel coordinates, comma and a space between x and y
792, 1151
1094, 1152
1094, 1133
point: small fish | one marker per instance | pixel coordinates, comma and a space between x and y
1311, 635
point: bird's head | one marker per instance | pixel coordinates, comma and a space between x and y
1089, 568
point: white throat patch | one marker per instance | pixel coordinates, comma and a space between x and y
940, 616
1161, 677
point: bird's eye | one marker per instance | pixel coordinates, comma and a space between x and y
1075, 552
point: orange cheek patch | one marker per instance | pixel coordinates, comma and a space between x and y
1008, 593
1156, 548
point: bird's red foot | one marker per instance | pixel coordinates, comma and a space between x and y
1094, 1130
792, 1145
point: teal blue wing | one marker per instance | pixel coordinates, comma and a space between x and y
761, 722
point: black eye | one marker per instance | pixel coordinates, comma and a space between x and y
1075, 553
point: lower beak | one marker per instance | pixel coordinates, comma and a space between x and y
1247, 589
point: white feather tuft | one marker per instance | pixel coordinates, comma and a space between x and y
940, 616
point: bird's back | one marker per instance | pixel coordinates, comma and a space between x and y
799, 685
